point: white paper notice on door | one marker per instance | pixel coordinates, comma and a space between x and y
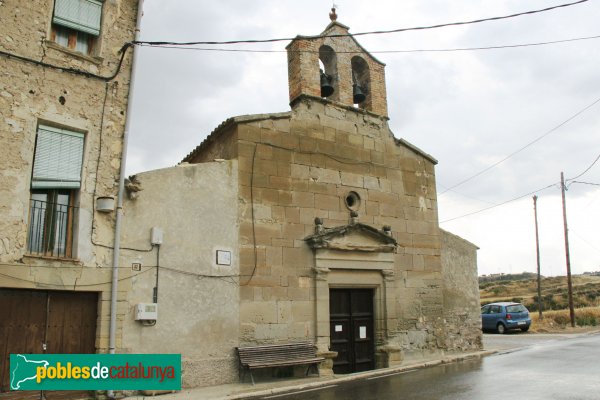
362, 333
338, 328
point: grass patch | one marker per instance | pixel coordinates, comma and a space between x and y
586, 316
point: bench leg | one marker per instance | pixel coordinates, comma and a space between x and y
313, 366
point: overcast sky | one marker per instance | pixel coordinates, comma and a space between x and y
469, 109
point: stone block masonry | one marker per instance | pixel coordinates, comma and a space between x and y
318, 176
301, 175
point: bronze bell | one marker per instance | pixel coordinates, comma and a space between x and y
357, 94
326, 87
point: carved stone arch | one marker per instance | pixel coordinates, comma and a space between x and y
328, 58
357, 256
361, 76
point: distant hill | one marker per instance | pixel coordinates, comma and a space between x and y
522, 288
507, 277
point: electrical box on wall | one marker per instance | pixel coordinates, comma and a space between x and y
146, 312
156, 236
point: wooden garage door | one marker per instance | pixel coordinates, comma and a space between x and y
38, 321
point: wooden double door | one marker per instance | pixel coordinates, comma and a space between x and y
351, 329
43, 321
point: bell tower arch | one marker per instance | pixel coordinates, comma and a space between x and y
356, 77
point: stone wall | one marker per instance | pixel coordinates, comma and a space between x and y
32, 94
198, 299
302, 166
461, 294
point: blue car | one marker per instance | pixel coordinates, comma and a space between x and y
501, 317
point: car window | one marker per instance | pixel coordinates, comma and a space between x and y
485, 310
517, 308
495, 310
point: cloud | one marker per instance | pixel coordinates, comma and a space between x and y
468, 109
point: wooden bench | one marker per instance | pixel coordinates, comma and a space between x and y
277, 355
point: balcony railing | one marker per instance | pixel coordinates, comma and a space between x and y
51, 229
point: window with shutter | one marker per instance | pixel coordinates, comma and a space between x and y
76, 24
58, 159
55, 180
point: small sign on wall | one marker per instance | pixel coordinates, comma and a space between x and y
338, 328
223, 257
363, 332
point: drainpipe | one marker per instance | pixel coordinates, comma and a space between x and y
115, 264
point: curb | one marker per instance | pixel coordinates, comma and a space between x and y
357, 376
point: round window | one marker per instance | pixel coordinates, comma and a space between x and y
352, 201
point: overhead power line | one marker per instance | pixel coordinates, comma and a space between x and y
496, 47
379, 32
586, 183
499, 204
527, 194
572, 117
74, 71
586, 170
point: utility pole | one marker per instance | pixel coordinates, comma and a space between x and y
569, 282
537, 249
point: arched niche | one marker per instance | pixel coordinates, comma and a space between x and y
328, 63
362, 78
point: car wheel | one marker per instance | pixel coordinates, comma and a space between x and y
501, 328
525, 329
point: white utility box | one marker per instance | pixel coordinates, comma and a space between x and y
146, 312
156, 236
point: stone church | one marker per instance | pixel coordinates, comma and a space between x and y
317, 224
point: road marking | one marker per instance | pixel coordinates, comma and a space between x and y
388, 375
298, 392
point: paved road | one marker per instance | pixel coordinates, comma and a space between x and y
517, 339
552, 369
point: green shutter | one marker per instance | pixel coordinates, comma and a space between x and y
58, 159
81, 15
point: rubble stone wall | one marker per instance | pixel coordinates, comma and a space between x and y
462, 315
32, 94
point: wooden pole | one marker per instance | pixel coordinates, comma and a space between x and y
537, 250
569, 281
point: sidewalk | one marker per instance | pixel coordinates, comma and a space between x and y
236, 391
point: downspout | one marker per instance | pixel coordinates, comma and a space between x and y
116, 253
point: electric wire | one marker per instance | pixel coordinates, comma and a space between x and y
127, 45
224, 278
584, 240
378, 32
572, 117
146, 269
74, 71
255, 250
586, 183
586, 170
457, 49
499, 204
85, 285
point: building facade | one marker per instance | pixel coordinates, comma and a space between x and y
64, 87
316, 224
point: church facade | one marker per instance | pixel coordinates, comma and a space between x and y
316, 224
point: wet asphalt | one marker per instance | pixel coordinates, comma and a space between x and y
553, 367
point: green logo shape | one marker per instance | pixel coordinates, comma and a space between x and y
95, 371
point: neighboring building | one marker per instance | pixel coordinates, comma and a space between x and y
314, 224
64, 86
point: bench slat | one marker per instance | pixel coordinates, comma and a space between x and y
278, 355
285, 363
